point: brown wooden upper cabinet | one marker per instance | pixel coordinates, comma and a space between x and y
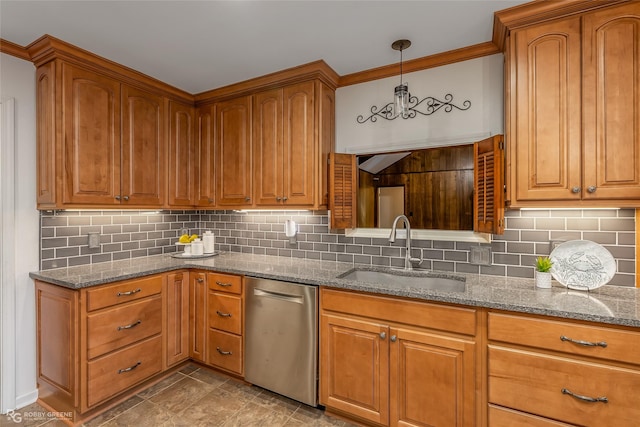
289, 163
573, 87
233, 152
272, 147
100, 142
181, 155
205, 157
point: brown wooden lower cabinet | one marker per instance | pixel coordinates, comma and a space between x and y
562, 371
97, 344
378, 366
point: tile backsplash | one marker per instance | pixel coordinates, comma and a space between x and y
130, 234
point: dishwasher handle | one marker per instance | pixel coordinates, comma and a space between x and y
298, 299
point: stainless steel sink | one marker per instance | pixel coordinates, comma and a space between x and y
407, 279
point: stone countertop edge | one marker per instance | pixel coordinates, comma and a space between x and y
614, 305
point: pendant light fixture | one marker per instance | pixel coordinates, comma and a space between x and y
401, 92
406, 106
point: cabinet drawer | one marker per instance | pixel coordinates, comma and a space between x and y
125, 291
540, 384
225, 312
567, 337
224, 283
501, 417
427, 315
118, 371
122, 325
225, 351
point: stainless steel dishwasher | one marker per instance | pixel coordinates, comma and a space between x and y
281, 338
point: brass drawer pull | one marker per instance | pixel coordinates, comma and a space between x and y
224, 353
124, 294
602, 344
134, 324
221, 314
223, 284
585, 398
130, 368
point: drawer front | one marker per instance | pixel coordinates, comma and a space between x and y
572, 338
225, 312
109, 375
225, 283
435, 316
111, 329
541, 384
121, 292
225, 351
501, 417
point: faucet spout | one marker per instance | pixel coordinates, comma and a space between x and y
392, 238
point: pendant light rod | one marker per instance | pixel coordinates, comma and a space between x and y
400, 45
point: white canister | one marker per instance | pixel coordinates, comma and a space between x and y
197, 247
209, 241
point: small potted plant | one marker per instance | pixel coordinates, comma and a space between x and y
543, 272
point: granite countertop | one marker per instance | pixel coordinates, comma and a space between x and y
609, 304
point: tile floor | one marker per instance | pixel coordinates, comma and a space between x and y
196, 396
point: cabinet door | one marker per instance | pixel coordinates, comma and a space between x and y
233, 157
432, 380
267, 148
181, 155
611, 91
46, 165
205, 154
354, 367
143, 148
547, 145
91, 137
177, 333
299, 143
198, 316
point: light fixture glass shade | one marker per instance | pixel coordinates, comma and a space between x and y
401, 98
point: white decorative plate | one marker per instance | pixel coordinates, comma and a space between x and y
582, 265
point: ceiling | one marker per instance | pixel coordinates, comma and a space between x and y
202, 45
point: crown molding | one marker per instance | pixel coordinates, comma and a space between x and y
539, 11
13, 49
313, 70
431, 61
48, 48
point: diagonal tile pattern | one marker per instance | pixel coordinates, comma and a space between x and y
192, 397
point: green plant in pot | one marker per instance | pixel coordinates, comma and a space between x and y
543, 272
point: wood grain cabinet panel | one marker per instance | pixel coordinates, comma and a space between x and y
354, 367
143, 148
574, 133
570, 372
205, 155
611, 88
198, 315
177, 326
182, 168
101, 142
91, 137
292, 138
234, 177
378, 369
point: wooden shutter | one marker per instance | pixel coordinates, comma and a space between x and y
342, 190
488, 159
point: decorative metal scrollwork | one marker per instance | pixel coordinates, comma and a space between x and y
426, 107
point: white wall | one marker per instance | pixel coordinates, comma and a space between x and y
478, 80
17, 80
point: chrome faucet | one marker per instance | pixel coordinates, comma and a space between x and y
408, 260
